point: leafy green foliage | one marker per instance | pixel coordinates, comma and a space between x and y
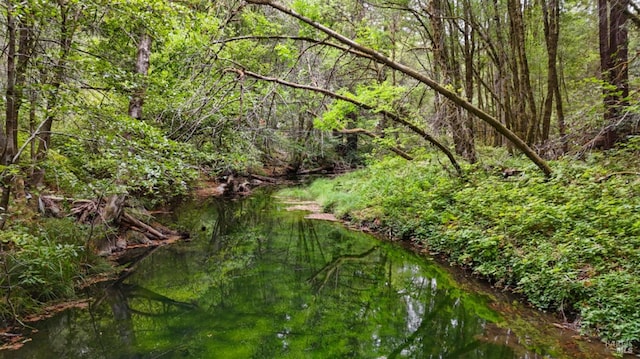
39, 269
126, 155
381, 97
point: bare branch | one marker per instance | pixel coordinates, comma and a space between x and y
391, 115
295, 38
451, 95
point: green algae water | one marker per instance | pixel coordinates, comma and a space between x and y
257, 281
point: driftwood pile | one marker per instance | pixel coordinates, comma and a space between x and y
118, 225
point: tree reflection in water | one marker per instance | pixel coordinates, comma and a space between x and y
260, 282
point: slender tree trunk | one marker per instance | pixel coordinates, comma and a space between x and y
468, 54
562, 130
551, 22
8, 146
67, 30
526, 126
549, 19
142, 69
19, 48
502, 77
444, 37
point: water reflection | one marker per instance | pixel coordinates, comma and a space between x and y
260, 282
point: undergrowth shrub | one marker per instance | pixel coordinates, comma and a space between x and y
127, 155
43, 261
36, 269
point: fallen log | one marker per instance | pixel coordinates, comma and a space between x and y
316, 170
265, 179
610, 175
142, 227
109, 213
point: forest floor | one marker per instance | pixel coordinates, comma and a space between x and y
569, 244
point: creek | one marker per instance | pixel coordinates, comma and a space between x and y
258, 281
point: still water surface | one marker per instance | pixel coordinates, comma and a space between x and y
258, 281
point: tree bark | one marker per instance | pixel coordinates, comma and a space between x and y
613, 38
517, 141
142, 69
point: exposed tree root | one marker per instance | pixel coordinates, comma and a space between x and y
115, 224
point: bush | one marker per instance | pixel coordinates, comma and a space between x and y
36, 269
126, 155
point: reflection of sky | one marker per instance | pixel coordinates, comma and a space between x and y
414, 305
415, 312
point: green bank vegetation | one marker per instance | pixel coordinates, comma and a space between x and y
569, 244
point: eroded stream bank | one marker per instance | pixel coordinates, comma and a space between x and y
259, 281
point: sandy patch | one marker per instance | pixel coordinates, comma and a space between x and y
310, 206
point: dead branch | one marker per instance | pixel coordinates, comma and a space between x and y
110, 212
396, 150
610, 175
142, 227
265, 179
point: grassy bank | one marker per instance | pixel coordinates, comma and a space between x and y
569, 244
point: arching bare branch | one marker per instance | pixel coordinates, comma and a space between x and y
459, 101
391, 115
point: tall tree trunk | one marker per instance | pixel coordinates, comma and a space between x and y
613, 38
527, 124
549, 19
20, 44
551, 22
8, 146
142, 69
502, 77
468, 54
67, 31
444, 37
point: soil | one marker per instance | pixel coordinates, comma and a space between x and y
15, 337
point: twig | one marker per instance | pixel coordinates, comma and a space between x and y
607, 177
